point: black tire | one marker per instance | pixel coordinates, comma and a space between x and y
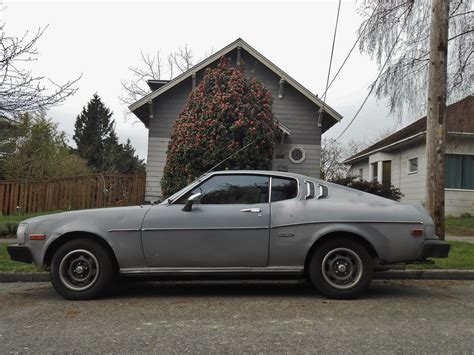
347, 272
89, 257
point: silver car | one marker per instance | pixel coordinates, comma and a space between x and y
233, 223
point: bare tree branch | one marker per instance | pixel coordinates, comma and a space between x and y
20, 90
151, 67
403, 81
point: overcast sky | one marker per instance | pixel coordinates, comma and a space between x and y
100, 40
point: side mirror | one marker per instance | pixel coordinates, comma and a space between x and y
189, 202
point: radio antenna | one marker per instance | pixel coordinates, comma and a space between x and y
230, 156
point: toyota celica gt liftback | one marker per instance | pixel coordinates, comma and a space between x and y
233, 223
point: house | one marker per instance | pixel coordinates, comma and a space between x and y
295, 108
400, 159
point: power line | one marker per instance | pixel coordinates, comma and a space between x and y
332, 49
350, 51
375, 81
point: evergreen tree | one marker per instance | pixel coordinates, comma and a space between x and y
97, 141
224, 113
92, 129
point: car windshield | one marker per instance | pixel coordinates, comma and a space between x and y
176, 194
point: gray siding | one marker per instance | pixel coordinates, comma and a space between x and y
166, 109
311, 166
294, 110
157, 148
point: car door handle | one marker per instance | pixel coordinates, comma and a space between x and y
251, 210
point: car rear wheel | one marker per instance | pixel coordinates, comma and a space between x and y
341, 268
81, 269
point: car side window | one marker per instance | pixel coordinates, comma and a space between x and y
232, 189
284, 189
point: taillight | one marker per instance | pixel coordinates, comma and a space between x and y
417, 232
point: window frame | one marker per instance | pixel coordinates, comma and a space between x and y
409, 172
215, 175
462, 165
375, 171
203, 179
303, 155
284, 177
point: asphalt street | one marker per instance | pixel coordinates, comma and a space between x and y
240, 317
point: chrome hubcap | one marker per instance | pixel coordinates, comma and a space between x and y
79, 270
342, 268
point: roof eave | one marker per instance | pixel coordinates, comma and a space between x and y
365, 155
237, 43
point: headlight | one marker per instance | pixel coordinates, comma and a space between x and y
21, 233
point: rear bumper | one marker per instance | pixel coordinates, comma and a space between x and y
435, 249
19, 253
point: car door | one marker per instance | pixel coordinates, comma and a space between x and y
228, 227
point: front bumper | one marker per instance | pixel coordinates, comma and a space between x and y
435, 249
19, 253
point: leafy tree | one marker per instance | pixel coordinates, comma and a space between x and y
20, 90
373, 187
398, 32
93, 127
223, 114
40, 151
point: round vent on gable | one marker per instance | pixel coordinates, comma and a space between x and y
297, 155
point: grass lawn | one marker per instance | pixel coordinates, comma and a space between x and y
12, 266
460, 225
461, 257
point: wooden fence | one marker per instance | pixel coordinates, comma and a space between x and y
71, 193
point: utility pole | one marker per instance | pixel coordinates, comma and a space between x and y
436, 116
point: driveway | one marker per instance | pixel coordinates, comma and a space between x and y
228, 317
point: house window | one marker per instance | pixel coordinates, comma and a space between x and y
412, 165
374, 171
361, 173
297, 155
459, 171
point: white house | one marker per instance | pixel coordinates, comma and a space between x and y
400, 159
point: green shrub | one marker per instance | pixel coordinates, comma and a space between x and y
223, 114
373, 187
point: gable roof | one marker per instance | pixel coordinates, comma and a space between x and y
459, 120
244, 45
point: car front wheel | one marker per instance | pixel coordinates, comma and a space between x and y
341, 268
81, 269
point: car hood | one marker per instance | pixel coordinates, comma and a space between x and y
93, 220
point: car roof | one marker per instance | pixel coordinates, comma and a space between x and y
258, 172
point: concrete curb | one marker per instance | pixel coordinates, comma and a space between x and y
382, 275
425, 275
24, 277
